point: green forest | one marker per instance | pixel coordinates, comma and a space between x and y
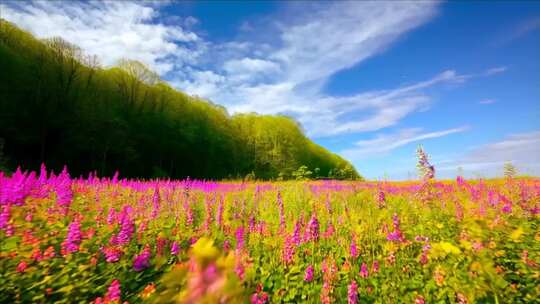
60, 107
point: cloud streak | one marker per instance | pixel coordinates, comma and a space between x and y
521, 149
385, 143
284, 76
111, 30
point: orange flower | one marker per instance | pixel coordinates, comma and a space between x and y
148, 290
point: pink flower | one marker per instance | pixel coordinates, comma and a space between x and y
308, 275
354, 250
289, 249
112, 254
240, 238
22, 266
114, 292
175, 248
281, 212
259, 297
296, 234
312, 230
375, 266
364, 271
142, 260
74, 237
352, 293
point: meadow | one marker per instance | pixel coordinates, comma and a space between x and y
111, 240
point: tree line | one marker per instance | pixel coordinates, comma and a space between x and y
60, 107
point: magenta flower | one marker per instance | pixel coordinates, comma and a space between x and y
352, 293
113, 292
226, 245
155, 203
296, 234
312, 230
381, 199
375, 266
354, 250
5, 215
240, 238
364, 271
289, 249
281, 212
127, 228
64, 193
142, 261
175, 248
74, 237
22, 266
308, 275
219, 214
112, 254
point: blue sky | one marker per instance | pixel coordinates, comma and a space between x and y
367, 80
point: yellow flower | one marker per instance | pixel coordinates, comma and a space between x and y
204, 250
449, 248
516, 234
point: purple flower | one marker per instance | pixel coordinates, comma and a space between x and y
74, 237
111, 217
127, 228
240, 238
281, 212
219, 215
5, 215
64, 193
112, 254
354, 250
364, 271
312, 230
175, 248
289, 249
142, 260
375, 266
308, 275
226, 245
352, 293
381, 199
114, 292
296, 234
155, 203
328, 204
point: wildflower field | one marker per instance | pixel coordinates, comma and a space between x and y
110, 240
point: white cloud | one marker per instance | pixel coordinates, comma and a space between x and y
332, 37
384, 143
487, 101
523, 28
286, 75
110, 29
522, 149
496, 70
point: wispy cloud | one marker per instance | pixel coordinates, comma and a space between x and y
523, 28
496, 70
285, 75
522, 149
384, 143
487, 101
111, 30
